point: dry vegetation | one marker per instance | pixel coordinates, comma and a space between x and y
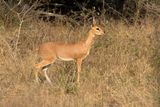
122, 69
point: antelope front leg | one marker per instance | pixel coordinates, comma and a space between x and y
79, 62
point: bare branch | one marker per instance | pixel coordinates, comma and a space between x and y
50, 14
12, 9
21, 22
20, 18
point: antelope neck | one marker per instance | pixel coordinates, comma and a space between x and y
90, 39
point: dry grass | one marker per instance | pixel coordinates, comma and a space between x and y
122, 69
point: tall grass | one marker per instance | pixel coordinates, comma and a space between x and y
122, 69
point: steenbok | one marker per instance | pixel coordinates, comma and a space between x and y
51, 51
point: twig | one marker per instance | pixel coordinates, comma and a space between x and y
20, 18
50, 14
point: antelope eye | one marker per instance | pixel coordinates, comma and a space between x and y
97, 29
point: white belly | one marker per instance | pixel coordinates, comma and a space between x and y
65, 59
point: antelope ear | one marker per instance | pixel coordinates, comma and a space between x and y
94, 22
